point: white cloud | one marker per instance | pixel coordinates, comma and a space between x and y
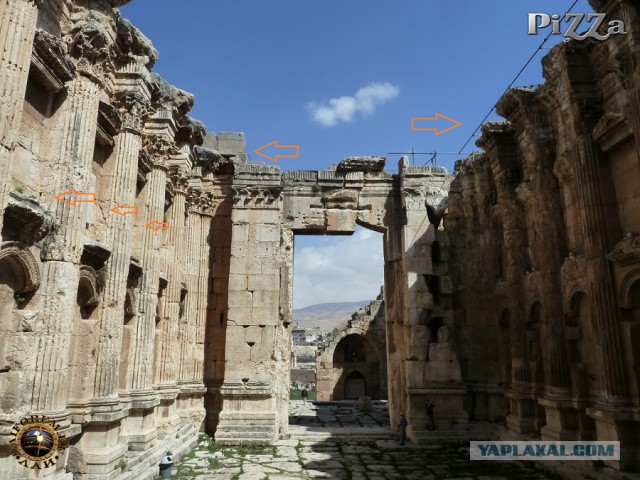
338, 269
344, 109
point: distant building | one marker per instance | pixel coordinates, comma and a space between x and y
354, 362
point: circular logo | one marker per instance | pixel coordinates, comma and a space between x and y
37, 443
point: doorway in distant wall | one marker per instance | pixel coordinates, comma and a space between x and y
355, 386
337, 283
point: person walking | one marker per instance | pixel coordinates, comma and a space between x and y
402, 426
431, 423
305, 394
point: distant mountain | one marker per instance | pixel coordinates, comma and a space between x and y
327, 316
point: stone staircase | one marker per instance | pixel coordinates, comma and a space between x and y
456, 433
341, 433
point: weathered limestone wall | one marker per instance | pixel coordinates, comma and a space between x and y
113, 260
354, 362
269, 208
544, 227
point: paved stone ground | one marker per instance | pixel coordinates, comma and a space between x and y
363, 449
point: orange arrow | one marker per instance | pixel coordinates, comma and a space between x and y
125, 210
258, 151
156, 226
76, 197
456, 124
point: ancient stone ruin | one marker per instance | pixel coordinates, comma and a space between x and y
354, 362
146, 266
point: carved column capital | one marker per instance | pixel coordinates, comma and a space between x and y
159, 148
134, 109
90, 43
180, 182
194, 199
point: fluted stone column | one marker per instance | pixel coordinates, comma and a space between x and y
597, 243
122, 191
63, 248
205, 282
191, 382
192, 390
192, 263
541, 199
141, 365
169, 358
167, 418
17, 29
139, 427
500, 146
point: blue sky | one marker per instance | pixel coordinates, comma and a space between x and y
364, 67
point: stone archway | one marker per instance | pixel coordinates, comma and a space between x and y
269, 208
19, 279
360, 349
355, 360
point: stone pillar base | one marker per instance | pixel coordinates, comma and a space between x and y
138, 427
98, 452
449, 411
245, 428
487, 402
191, 405
525, 415
566, 420
167, 417
622, 426
248, 416
213, 407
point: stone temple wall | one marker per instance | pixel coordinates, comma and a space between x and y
270, 207
116, 233
354, 362
545, 250
146, 268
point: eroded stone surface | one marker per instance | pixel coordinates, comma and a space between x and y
146, 267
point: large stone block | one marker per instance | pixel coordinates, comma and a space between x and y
240, 299
263, 282
341, 220
266, 299
232, 143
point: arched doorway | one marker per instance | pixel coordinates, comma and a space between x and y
356, 364
355, 386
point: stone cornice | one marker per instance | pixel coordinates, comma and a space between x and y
133, 45
51, 65
611, 130
627, 251
166, 97
493, 132
109, 123
516, 102
145, 165
246, 196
